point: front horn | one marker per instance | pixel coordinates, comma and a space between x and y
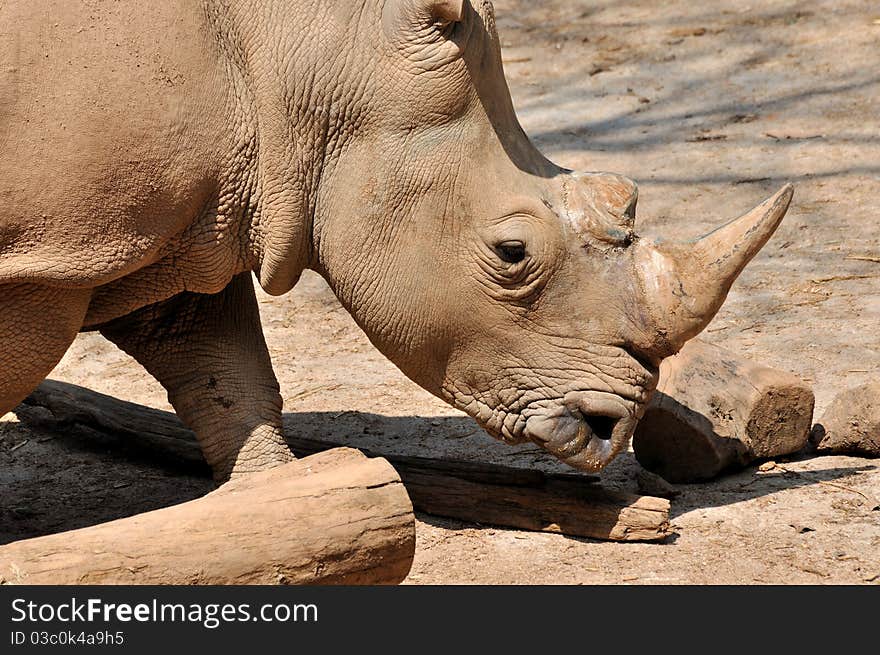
686, 283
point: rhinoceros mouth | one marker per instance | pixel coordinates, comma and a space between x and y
586, 430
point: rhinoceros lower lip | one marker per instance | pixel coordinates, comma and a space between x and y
597, 451
586, 432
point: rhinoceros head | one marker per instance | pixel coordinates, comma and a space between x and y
514, 289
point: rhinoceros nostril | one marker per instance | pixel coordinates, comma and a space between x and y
601, 426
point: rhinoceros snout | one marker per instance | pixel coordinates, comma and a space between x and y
586, 430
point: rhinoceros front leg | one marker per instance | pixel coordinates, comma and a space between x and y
209, 353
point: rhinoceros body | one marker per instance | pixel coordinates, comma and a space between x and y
152, 159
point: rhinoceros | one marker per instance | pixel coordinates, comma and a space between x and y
154, 158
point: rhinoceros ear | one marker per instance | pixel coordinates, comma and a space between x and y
403, 18
450, 11
447, 10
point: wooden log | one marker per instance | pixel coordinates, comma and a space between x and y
332, 518
574, 509
714, 411
469, 491
527, 499
851, 424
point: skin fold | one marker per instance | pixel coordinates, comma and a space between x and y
152, 162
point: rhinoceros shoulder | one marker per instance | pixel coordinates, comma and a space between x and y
113, 137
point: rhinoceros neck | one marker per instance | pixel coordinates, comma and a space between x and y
290, 76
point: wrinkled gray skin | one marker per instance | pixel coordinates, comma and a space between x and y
150, 160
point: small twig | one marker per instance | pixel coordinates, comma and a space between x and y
466, 434
743, 329
839, 278
790, 137
864, 258
305, 393
804, 303
871, 500
807, 569
19, 445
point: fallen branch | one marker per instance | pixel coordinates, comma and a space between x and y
482, 493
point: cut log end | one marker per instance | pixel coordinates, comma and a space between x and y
780, 419
672, 442
714, 411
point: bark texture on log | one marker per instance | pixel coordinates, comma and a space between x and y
468, 491
714, 410
332, 518
851, 424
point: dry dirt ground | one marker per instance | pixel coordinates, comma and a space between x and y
710, 107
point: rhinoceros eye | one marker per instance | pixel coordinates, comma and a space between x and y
512, 252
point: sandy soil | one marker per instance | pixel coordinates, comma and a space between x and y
710, 107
